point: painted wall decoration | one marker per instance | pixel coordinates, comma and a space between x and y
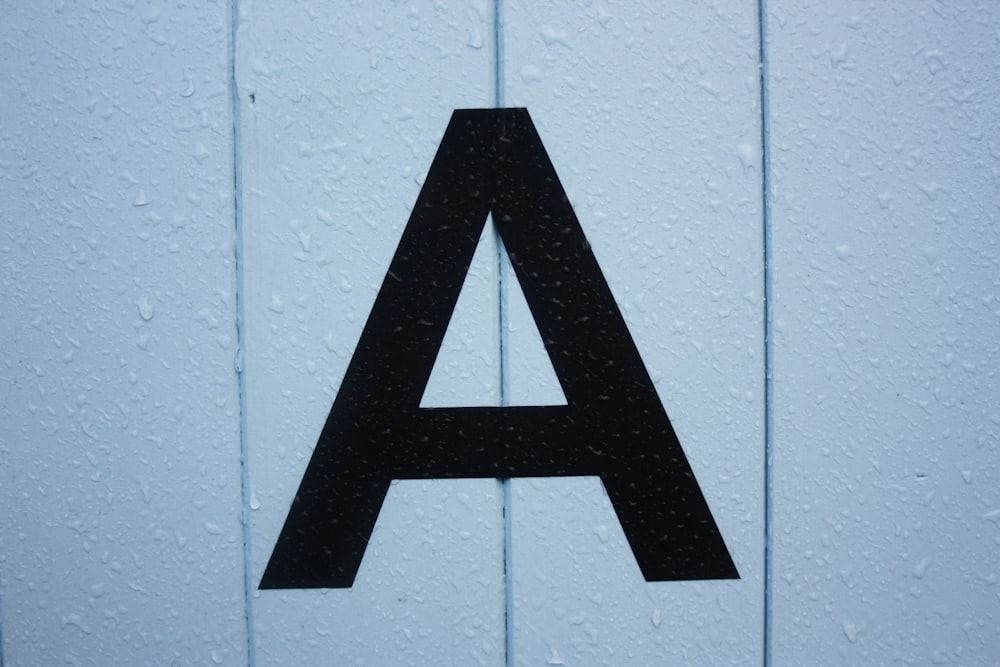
492, 161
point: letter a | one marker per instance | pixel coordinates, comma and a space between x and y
613, 425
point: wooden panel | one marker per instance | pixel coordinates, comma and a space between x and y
342, 111
651, 117
120, 535
885, 155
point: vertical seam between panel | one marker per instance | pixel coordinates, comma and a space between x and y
1, 625
498, 102
240, 361
502, 277
2, 645
765, 132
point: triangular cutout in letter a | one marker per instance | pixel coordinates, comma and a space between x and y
613, 426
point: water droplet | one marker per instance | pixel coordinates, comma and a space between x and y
146, 310
531, 74
277, 304
850, 631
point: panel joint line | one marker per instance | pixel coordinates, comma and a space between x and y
502, 277
765, 135
239, 362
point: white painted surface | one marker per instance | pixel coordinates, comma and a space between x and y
886, 161
652, 121
120, 535
349, 105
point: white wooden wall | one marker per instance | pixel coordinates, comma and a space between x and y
199, 202
885, 255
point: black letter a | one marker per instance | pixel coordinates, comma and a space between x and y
613, 424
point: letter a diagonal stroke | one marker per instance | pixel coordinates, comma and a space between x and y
613, 425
